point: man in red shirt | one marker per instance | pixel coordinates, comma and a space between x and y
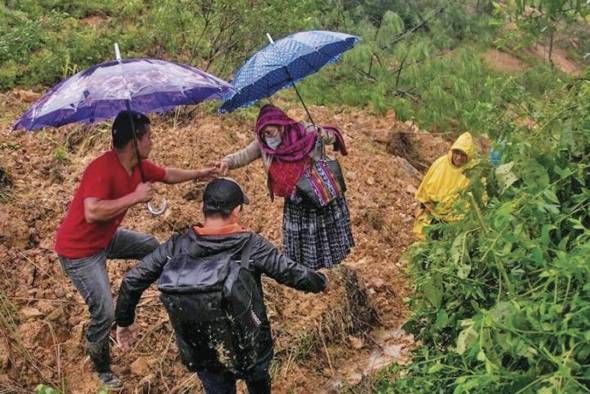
90, 233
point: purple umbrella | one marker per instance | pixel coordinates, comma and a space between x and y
104, 90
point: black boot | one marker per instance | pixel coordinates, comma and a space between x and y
99, 353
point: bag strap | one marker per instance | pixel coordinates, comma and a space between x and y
323, 155
246, 252
319, 140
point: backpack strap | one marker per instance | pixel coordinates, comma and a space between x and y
193, 249
246, 252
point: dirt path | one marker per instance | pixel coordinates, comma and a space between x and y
322, 343
509, 63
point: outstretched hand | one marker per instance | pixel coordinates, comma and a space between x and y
126, 336
208, 173
221, 166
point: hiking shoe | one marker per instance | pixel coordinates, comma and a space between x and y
110, 380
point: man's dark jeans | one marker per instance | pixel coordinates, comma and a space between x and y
89, 276
224, 382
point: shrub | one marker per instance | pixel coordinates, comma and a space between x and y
502, 297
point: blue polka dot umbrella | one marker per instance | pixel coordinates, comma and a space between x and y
284, 62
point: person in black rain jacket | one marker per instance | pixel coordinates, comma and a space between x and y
220, 233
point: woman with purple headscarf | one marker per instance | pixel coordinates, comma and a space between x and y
316, 237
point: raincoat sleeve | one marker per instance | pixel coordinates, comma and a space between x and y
243, 156
422, 194
140, 278
273, 263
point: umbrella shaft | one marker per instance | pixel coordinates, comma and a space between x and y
304, 106
135, 141
300, 98
117, 53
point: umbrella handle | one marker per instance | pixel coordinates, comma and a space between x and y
157, 211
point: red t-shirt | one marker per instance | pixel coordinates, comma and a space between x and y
106, 179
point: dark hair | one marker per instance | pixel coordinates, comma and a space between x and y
122, 132
224, 214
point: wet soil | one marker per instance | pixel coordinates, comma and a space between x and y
323, 343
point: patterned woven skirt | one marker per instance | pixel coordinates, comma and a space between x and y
317, 237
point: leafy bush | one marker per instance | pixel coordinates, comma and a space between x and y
423, 68
502, 298
44, 389
421, 59
44, 41
47, 44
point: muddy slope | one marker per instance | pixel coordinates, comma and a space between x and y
323, 343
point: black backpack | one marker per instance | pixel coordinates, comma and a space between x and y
216, 307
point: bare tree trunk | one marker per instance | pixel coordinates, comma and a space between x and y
372, 53
551, 39
399, 70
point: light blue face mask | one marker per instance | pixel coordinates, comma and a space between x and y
273, 142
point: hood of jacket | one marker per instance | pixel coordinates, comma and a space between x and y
466, 145
210, 244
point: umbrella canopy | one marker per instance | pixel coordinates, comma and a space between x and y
282, 63
103, 90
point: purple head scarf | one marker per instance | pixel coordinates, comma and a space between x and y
296, 142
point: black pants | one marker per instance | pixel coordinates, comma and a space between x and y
224, 381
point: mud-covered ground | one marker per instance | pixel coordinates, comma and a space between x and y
323, 343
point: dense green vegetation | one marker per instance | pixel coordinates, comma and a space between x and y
422, 58
502, 298
502, 301
42, 41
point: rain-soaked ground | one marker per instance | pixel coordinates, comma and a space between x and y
323, 343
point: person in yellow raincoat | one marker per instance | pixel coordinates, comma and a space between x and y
443, 182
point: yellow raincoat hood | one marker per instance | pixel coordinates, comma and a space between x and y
444, 181
465, 144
